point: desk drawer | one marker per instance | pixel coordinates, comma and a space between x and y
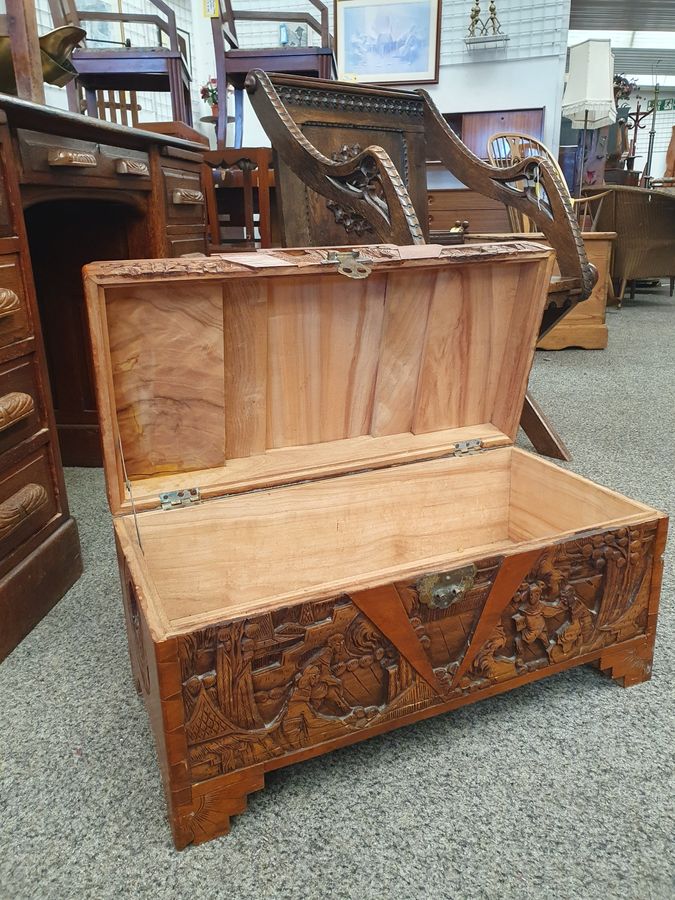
15, 322
27, 501
184, 197
21, 409
46, 157
184, 240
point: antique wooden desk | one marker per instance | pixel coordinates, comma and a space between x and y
72, 190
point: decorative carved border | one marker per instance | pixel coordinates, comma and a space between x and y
345, 102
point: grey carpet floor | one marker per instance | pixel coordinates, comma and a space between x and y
562, 789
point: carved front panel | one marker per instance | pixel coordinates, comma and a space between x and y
261, 688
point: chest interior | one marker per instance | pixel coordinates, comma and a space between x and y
340, 432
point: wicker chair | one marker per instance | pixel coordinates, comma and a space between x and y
506, 148
644, 221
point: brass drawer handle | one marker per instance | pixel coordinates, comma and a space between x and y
20, 506
131, 167
183, 195
9, 302
14, 407
72, 158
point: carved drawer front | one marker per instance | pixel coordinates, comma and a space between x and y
21, 410
131, 167
27, 501
50, 158
15, 323
185, 201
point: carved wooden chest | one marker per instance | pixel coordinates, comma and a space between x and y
324, 529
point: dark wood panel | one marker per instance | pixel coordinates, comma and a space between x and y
37, 583
101, 230
477, 127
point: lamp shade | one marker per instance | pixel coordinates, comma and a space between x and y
590, 85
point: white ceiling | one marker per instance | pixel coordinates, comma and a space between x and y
623, 15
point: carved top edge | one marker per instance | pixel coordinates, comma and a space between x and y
345, 101
285, 262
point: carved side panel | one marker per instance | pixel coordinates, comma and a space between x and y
259, 689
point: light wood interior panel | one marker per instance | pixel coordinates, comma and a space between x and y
404, 338
546, 500
245, 357
342, 533
323, 341
231, 376
253, 548
166, 350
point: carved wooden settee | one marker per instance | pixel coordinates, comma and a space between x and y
350, 165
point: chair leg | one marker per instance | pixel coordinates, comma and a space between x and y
543, 436
73, 95
90, 99
632, 290
238, 118
622, 291
672, 286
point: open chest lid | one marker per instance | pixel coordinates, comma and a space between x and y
231, 373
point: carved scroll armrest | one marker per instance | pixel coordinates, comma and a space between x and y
531, 186
368, 186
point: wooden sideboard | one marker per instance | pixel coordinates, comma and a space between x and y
72, 190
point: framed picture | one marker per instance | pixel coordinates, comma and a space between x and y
388, 41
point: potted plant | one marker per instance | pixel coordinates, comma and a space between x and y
209, 94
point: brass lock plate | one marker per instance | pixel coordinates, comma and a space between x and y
442, 589
349, 263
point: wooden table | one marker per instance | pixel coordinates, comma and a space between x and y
72, 190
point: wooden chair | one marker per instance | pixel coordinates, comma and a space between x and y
234, 63
350, 168
128, 69
507, 148
246, 172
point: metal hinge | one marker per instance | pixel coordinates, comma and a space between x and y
465, 448
349, 263
186, 497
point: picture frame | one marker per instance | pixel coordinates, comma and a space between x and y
388, 41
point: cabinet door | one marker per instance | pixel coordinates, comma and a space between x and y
478, 127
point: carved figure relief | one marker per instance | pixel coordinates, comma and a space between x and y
264, 687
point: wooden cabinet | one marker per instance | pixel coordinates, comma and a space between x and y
72, 190
39, 547
93, 191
